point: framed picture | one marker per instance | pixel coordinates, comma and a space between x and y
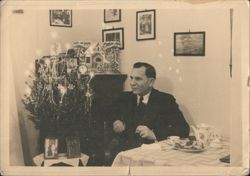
112, 15
61, 17
189, 44
51, 146
115, 34
145, 25
73, 147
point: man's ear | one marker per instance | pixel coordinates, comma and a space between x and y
151, 82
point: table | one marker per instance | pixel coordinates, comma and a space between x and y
62, 158
159, 154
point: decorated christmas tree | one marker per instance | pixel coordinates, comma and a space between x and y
59, 96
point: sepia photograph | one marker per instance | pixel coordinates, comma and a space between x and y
103, 98
189, 44
51, 145
73, 147
62, 18
115, 34
145, 25
112, 15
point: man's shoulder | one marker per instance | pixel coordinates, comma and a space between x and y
154, 92
127, 92
162, 97
126, 95
158, 93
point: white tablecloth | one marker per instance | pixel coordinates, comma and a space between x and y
62, 158
159, 154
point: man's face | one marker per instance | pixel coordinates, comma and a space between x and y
139, 82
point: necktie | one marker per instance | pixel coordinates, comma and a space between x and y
140, 101
140, 109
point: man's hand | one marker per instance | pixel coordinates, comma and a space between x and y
145, 132
118, 126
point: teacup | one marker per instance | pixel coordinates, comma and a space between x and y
216, 144
173, 139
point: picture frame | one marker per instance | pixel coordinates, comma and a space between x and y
112, 15
51, 148
145, 25
114, 34
73, 147
189, 43
61, 17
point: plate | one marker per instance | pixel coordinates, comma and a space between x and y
190, 150
168, 142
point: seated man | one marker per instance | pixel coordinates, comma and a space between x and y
145, 115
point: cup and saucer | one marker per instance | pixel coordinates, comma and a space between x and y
172, 140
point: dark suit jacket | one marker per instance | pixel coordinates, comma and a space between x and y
162, 115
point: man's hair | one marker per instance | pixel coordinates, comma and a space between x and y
150, 70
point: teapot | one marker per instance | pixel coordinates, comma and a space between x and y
202, 133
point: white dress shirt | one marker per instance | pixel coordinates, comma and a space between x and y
145, 98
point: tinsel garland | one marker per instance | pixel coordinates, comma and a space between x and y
59, 100
59, 97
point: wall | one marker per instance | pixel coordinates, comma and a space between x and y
15, 139
202, 85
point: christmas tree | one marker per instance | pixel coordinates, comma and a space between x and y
59, 95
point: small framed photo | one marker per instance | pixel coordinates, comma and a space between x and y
112, 15
115, 34
73, 147
51, 148
189, 44
61, 18
145, 25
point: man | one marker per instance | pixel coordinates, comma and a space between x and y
146, 115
